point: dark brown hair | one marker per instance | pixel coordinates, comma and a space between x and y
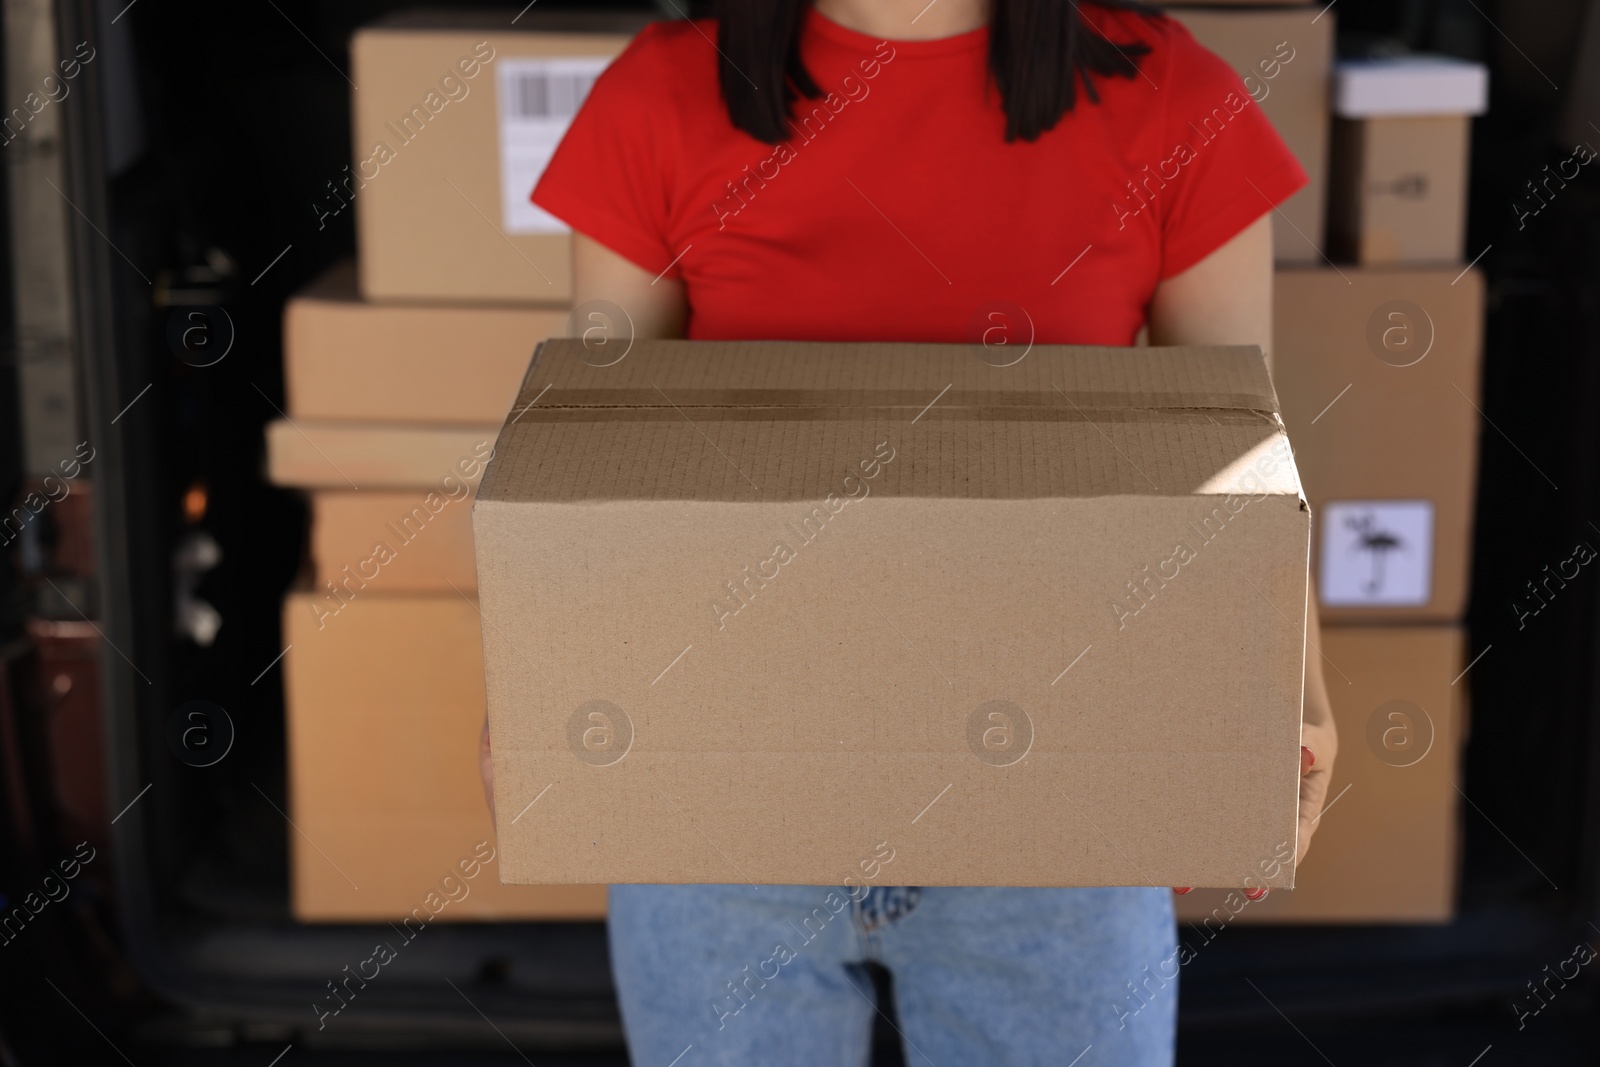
1039, 51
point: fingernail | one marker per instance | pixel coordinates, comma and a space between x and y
1181, 890
1256, 894
1308, 759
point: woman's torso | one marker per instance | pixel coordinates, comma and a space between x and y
899, 212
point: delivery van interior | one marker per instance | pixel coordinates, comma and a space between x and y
275, 505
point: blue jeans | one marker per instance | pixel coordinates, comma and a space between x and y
773, 975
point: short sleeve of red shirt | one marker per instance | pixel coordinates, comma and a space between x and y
1234, 165
610, 178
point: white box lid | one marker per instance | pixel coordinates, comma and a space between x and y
1409, 85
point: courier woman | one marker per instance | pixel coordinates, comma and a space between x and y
850, 170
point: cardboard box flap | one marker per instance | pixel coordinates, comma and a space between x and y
770, 374
765, 421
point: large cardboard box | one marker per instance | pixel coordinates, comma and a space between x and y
385, 700
401, 542
1284, 56
1378, 374
1399, 173
771, 612
1387, 847
350, 359
455, 118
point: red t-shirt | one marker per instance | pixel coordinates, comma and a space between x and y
897, 211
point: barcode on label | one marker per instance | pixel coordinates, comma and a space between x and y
541, 94
538, 98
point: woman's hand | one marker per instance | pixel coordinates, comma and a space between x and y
1314, 778
486, 767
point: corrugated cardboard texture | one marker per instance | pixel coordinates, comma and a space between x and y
1391, 432
1387, 848
1399, 189
1294, 97
411, 543
428, 224
311, 454
828, 405
798, 576
348, 359
384, 703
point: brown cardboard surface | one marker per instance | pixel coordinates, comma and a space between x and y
1376, 439
384, 702
1387, 848
1399, 189
916, 534
1294, 95
429, 224
395, 538
311, 454
348, 359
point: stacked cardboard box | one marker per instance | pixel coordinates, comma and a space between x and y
1283, 55
1401, 128
1386, 848
1376, 363
392, 414
400, 369
454, 155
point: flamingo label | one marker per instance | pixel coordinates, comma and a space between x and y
1376, 552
